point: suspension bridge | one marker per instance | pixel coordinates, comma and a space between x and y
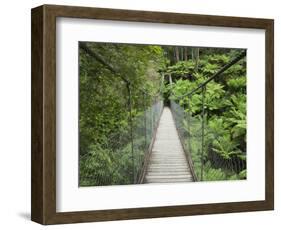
167, 143
172, 158
167, 162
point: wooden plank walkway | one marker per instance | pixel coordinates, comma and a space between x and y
167, 163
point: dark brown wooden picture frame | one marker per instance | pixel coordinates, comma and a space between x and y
43, 207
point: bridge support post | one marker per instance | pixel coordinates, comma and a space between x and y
131, 130
189, 124
203, 131
145, 131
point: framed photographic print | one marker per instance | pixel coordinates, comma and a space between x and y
140, 114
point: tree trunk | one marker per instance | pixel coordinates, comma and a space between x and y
182, 51
196, 54
170, 79
185, 54
177, 55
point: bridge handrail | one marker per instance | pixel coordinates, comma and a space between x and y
187, 115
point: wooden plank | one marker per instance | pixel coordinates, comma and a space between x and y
148, 181
167, 163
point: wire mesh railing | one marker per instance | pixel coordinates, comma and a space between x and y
144, 128
121, 160
116, 137
208, 145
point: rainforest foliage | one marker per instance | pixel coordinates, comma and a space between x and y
120, 83
224, 101
107, 73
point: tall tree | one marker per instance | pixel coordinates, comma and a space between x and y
177, 53
196, 57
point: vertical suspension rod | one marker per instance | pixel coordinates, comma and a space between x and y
203, 131
131, 130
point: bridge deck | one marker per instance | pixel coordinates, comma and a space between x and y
167, 162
